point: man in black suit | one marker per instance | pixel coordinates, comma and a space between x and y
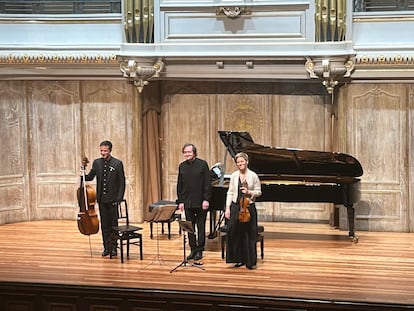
193, 196
110, 189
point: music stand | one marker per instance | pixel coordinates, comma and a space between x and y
159, 214
157, 257
186, 226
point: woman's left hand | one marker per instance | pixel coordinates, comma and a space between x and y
227, 213
245, 191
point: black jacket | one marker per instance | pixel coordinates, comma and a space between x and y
194, 183
115, 182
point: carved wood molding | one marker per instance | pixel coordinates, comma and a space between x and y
58, 58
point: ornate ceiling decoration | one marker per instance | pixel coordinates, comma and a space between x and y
58, 59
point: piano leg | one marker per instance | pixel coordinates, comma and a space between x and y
214, 227
351, 222
213, 219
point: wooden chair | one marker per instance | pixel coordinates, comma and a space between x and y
259, 239
125, 233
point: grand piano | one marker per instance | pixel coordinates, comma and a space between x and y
294, 175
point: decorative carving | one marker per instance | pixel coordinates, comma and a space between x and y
12, 115
232, 12
138, 73
220, 64
330, 70
244, 117
394, 60
250, 64
57, 59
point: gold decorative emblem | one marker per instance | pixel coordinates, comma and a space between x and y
244, 117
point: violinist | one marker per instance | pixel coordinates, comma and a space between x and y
244, 188
110, 189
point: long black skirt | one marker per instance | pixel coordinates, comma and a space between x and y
241, 237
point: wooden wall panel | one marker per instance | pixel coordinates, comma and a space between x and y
54, 111
375, 132
14, 192
46, 128
410, 159
302, 122
53, 117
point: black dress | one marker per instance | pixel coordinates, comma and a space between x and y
241, 237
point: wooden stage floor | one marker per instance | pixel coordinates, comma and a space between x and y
301, 261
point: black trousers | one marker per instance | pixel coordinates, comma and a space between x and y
198, 217
109, 218
241, 237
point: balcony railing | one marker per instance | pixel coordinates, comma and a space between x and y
60, 7
383, 5
114, 6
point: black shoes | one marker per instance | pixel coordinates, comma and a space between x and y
198, 255
191, 256
240, 264
107, 252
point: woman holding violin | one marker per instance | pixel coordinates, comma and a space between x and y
110, 189
244, 188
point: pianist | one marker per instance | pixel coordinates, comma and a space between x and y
241, 236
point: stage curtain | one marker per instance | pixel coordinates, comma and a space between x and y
151, 154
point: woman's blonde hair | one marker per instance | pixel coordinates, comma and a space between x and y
241, 155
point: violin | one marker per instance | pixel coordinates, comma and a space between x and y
88, 222
244, 213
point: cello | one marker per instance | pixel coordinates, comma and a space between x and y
88, 222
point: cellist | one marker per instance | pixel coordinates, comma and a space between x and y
110, 189
244, 188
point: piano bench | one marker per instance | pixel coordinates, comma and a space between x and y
260, 238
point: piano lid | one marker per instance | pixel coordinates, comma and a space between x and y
284, 161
